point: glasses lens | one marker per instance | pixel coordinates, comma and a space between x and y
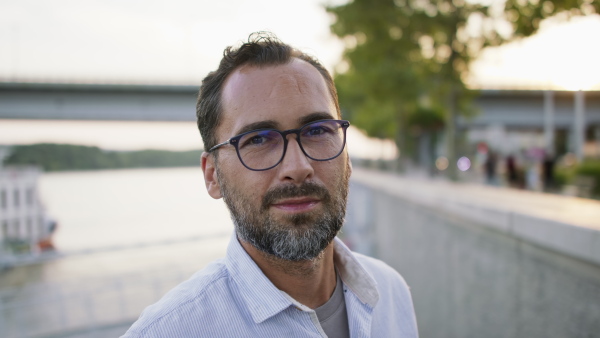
322, 140
261, 149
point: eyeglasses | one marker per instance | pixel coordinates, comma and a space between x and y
264, 149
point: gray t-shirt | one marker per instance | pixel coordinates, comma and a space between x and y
332, 315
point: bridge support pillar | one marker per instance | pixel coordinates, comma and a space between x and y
579, 125
549, 122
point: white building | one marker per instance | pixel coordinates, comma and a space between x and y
23, 222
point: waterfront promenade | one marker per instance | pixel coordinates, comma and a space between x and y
483, 261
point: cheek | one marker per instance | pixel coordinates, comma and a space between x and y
332, 173
251, 185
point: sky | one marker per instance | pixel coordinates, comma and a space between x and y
562, 55
176, 41
179, 41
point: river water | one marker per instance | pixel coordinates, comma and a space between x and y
141, 231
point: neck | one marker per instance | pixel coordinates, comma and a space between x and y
310, 282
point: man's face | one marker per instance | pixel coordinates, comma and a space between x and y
292, 211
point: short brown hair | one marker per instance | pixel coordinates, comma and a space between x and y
262, 49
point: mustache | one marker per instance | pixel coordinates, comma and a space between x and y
290, 191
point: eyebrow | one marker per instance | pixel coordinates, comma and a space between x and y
267, 124
270, 124
314, 117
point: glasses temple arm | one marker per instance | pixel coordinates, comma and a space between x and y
219, 145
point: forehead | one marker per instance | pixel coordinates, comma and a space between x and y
281, 94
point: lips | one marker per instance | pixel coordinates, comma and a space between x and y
301, 204
290, 198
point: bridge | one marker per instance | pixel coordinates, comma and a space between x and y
574, 115
511, 108
97, 102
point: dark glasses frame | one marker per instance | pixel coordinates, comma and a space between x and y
234, 141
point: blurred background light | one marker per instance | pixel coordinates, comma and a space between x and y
463, 163
441, 163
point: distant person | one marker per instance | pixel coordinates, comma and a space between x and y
270, 120
490, 168
548, 172
511, 171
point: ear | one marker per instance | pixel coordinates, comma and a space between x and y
210, 175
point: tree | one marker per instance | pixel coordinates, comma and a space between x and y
404, 58
56, 157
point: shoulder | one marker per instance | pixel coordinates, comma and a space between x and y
375, 273
378, 268
394, 311
389, 281
197, 297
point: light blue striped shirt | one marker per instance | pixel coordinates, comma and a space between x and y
231, 297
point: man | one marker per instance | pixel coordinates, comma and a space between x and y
270, 119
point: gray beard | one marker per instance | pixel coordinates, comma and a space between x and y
297, 237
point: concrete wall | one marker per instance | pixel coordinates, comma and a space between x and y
483, 261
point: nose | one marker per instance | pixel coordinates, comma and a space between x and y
295, 166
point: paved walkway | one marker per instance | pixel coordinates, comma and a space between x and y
568, 209
564, 223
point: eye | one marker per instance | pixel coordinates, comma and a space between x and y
317, 129
256, 140
259, 139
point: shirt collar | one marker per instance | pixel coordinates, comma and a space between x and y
264, 300
354, 275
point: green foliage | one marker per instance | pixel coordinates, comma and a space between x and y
426, 119
56, 157
525, 16
591, 168
401, 61
408, 57
575, 174
562, 175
